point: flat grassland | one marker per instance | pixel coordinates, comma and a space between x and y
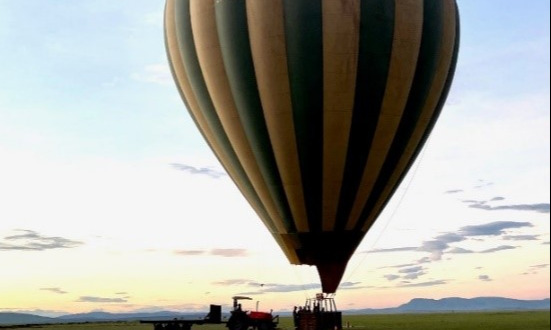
532, 320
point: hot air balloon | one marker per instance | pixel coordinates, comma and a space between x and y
315, 108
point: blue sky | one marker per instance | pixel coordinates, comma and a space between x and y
105, 180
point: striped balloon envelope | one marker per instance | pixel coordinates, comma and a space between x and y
315, 108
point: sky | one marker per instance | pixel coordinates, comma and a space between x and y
110, 200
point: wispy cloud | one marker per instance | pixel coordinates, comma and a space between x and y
291, 287
499, 248
535, 269
399, 266
198, 170
410, 270
482, 205
493, 228
189, 252
458, 250
260, 288
94, 299
232, 282
484, 278
228, 253
443, 243
407, 273
521, 237
540, 266
54, 290
482, 184
30, 240
453, 191
398, 249
424, 284
254, 287
391, 277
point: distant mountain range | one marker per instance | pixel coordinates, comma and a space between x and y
22, 318
417, 305
421, 305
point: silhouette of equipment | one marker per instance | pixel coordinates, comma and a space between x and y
239, 319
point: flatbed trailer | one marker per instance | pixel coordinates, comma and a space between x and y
213, 317
176, 323
239, 319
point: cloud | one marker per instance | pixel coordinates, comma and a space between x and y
345, 285
483, 184
482, 205
391, 277
250, 293
189, 252
233, 282
412, 273
399, 249
198, 170
540, 208
93, 299
497, 198
399, 266
424, 284
442, 243
540, 266
353, 286
32, 241
484, 278
453, 191
229, 253
499, 248
437, 246
54, 290
535, 269
407, 273
154, 73
472, 201
291, 287
493, 228
424, 260
458, 250
415, 269
273, 287
521, 237
260, 288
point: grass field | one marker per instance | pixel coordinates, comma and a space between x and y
445, 321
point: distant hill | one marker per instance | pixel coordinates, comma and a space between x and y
21, 318
420, 305
417, 305
103, 316
481, 303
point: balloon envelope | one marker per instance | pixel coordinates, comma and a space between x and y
315, 108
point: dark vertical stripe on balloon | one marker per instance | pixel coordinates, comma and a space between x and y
195, 76
376, 38
232, 27
421, 86
175, 78
304, 40
446, 88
